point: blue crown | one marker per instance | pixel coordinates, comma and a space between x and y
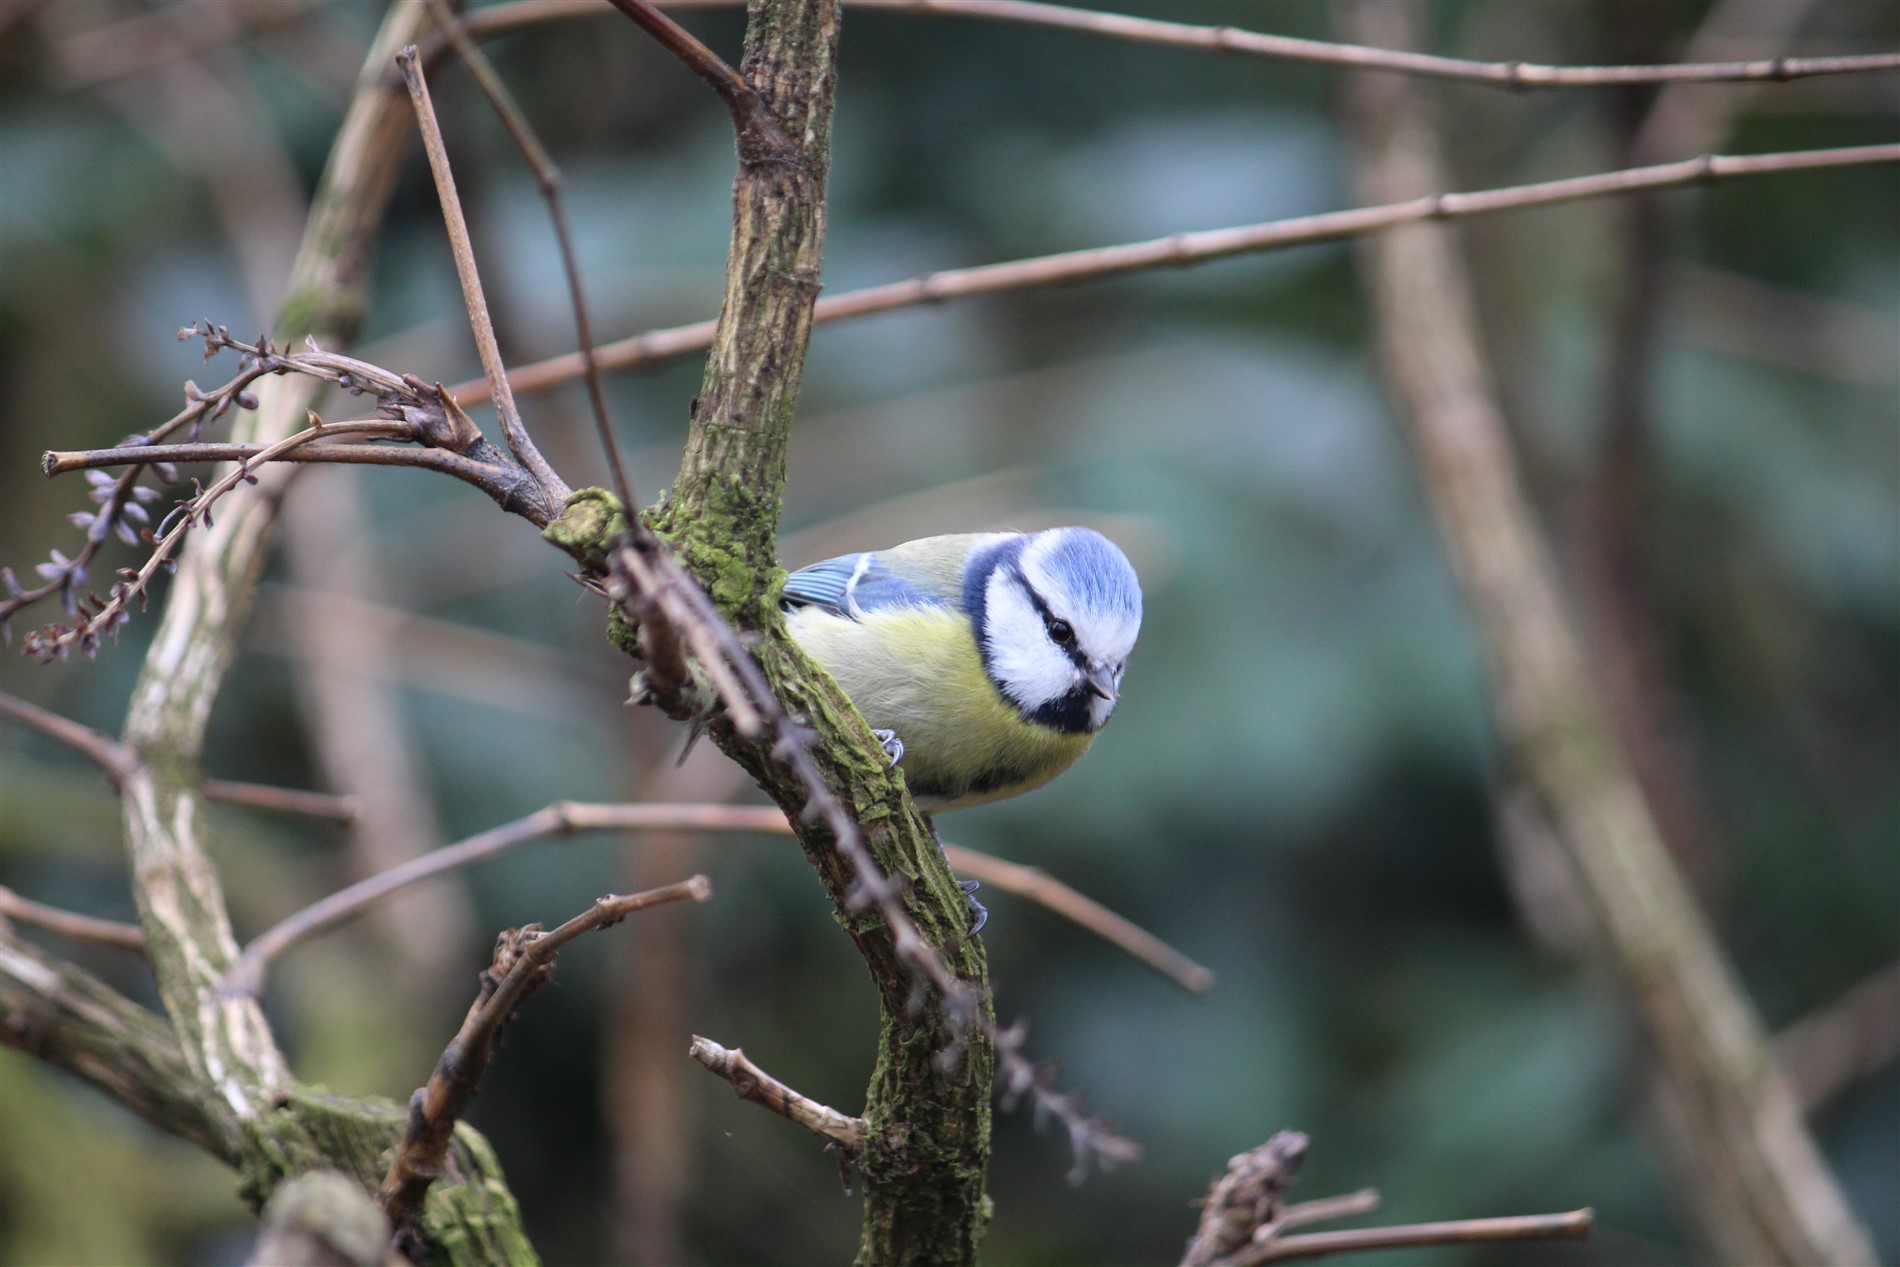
1095, 571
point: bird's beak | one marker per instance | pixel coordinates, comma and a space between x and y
1101, 683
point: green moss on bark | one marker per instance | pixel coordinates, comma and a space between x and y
469, 1219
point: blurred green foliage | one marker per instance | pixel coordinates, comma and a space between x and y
1298, 787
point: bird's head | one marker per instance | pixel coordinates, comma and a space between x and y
1057, 613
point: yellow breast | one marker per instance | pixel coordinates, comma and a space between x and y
916, 671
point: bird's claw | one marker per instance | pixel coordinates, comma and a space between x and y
979, 913
892, 745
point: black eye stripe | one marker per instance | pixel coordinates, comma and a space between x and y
1049, 619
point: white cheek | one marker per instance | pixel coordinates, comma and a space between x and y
1030, 667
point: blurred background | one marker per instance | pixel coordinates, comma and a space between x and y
1301, 788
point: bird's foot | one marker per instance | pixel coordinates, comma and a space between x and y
893, 746
979, 913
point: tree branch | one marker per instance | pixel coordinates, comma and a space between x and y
1773, 1199
1185, 249
560, 819
749, 1082
1244, 1219
547, 178
513, 430
59, 1013
523, 963
70, 924
111, 756
759, 135
1572, 1226
1045, 890
1517, 76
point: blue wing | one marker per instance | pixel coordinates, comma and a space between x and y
854, 583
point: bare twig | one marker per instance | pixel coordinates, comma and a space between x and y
1244, 1220
547, 178
1326, 1209
500, 18
559, 819
1858, 1034
1571, 1226
342, 810
96, 619
70, 924
567, 817
1183, 249
524, 961
102, 750
759, 136
1512, 75
135, 44
749, 1082
113, 758
66, 461
483, 326
410, 410
1044, 889
1246, 1198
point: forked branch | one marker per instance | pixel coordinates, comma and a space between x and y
523, 963
1244, 1218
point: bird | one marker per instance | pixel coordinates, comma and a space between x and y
986, 662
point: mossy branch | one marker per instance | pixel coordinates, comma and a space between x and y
928, 1119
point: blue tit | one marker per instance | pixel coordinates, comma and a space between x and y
994, 658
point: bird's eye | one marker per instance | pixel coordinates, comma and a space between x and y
1062, 633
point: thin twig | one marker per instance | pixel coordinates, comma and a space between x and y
547, 178
500, 18
468, 470
560, 819
70, 924
1044, 889
1244, 1220
103, 618
1573, 1225
749, 1082
1512, 75
567, 817
1858, 1034
122, 502
483, 326
1243, 1203
759, 136
411, 410
329, 806
101, 749
524, 961
1327, 1209
112, 757
1068, 267
65, 461
140, 43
